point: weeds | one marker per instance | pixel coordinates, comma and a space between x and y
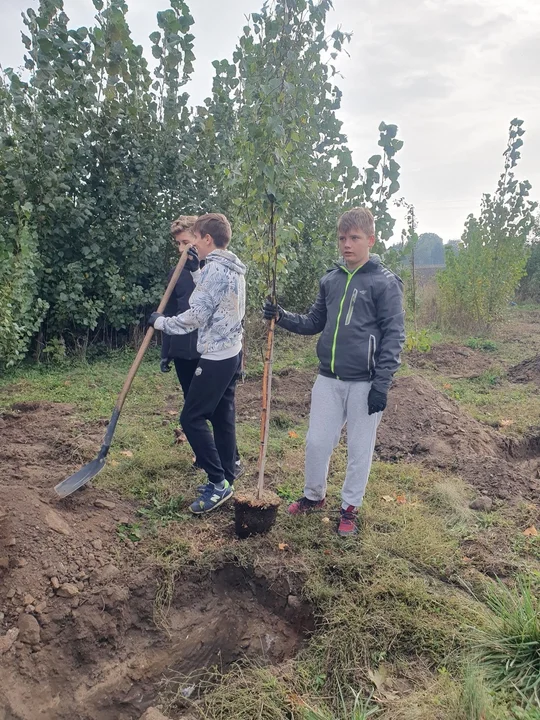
356, 708
508, 647
481, 344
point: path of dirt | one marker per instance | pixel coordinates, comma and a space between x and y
77, 635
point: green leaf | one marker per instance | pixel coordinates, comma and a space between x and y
374, 160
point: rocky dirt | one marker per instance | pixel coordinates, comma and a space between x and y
77, 633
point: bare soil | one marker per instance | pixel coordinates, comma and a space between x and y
291, 396
526, 371
77, 633
453, 361
422, 425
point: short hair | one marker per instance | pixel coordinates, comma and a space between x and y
183, 222
359, 218
217, 226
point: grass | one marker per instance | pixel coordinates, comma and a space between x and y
393, 617
491, 399
508, 648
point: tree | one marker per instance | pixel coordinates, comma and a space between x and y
101, 156
429, 250
282, 140
529, 287
98, 153
482, 278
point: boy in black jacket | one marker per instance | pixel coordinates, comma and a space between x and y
182, 349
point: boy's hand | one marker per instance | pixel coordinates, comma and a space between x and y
271, 311
165, 365
156, 320
192, 262
376, 401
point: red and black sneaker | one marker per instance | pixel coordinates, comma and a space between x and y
303, 506
348, 522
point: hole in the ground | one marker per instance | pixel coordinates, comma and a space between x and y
106, 660
526, 448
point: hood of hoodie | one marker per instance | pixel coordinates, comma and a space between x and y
229, 259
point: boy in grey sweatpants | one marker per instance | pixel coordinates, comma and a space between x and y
359, 313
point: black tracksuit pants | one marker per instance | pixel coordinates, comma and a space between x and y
185, 369
211, 397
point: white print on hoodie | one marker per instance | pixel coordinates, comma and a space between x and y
216, 307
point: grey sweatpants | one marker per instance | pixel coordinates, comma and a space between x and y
335, 403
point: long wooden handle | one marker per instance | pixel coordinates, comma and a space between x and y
150, 332
266, 400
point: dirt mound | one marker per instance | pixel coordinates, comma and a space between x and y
526, 371
454, 361
421, 424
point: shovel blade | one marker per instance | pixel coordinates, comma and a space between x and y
80, 478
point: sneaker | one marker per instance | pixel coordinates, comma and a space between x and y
303, 506
348, 522
211, 498
238, 472
239, 469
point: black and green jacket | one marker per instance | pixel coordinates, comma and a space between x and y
360, 315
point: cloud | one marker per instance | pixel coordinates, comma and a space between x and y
451, 74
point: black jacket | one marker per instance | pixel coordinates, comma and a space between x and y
180, 346
361, 318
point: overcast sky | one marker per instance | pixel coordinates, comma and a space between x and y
450, 73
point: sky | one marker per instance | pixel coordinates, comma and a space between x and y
450, 73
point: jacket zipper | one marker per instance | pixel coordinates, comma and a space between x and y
351, 307
349, 278
372, 349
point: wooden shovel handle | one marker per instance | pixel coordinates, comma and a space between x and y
150, 332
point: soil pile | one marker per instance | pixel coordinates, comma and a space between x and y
291, 396
526, 371
422, 424
454, 361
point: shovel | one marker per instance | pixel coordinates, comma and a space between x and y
91, 469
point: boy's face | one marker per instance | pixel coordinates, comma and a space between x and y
354, 246
204, 245
182, 239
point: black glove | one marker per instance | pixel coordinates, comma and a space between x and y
271, 310
192, 262
376, 401
165, 365
153, 317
